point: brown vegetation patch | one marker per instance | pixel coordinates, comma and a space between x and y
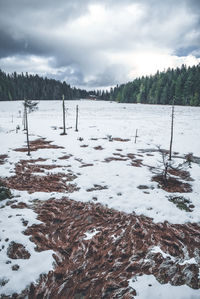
120, 157
109, 159
185, 175
17, 251
19, 205
39, 143
98, 148
49, 183
131, 156
120, 139
137, 163
86, 165
172, 184
24, 179
97, 187
100, 267
65, 157
30, 166
3, 158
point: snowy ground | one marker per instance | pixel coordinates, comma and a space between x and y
120, 179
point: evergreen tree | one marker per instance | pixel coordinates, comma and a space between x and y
20, 86
181, 84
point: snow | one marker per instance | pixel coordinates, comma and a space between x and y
40, 262
90, 234
157, 249
147, 286
97, 120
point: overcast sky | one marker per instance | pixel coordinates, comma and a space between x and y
98, 43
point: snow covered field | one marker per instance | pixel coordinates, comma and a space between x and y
106, 171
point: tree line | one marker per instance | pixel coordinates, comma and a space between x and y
33, 87
180, 85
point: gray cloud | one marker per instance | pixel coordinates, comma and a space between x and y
97, 43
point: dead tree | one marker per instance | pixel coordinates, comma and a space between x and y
166, 167
24, 120
31, 106
76, 129
172, 132
27, 136
63, 106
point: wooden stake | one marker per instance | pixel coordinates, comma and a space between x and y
136, 135
64, 128
76, 118
27, 137
24, 118
172, 133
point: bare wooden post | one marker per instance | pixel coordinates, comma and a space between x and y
136, 135
76, 118
64, 128
27, 137
24, 118
172, 131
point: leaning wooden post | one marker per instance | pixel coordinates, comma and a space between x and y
27, 137
76, 118
172, 132
64, 128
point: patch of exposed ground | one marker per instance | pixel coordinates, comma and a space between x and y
25, 179
86, 165
120, 139
97, 187
137, 163
184, 175
143, 187
109, 159
39, 143
181, 203
19, 205
65, 157
120, 157
121, 246
98, 148
84, 145
2, 159
17, 251
172, 184
5, 193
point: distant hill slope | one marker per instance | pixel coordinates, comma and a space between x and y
20, 86
181, 84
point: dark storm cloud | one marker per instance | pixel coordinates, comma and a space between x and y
95, 43
22, 21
